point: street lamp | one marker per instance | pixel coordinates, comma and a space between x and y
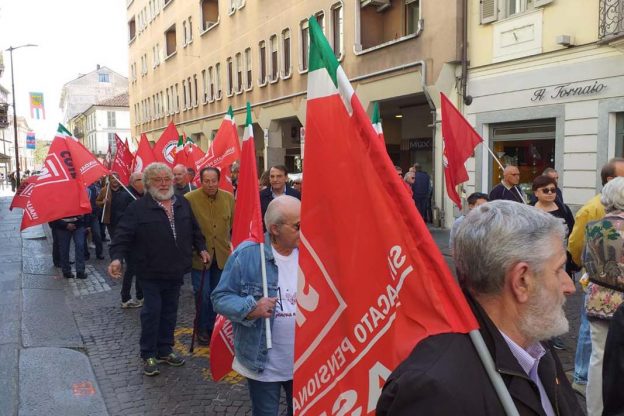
17, 169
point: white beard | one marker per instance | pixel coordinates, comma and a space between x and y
544, 317
155, 193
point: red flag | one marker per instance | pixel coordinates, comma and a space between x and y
144, 155
89, 167
460, 140
372, 281
22, 195
224, 151
59, 190
164, 150
122, 162
247, 226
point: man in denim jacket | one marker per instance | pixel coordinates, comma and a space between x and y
239, 297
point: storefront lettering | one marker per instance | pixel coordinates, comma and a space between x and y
564, 90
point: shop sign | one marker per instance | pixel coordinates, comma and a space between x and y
568, 90
420, 144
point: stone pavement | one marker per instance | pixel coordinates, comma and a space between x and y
67, 348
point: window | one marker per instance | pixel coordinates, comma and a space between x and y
184, 30
110, 116
131, 28
103, 77
205, 86
320, 19
230, 86
211, 85
167, 101
274, 60
170, 38
133, 73
239, 72
218, 80
490, 9
190, 29
263, 64
412, 16
210, 13
286, 53
248, 80
337, 28
195, 99
304, 31
177, 98
112, 143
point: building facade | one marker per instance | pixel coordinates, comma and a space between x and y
190, 60
546, 89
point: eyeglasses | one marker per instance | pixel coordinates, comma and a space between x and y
161, 180
296, 225
549, 190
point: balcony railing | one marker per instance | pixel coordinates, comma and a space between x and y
611, 15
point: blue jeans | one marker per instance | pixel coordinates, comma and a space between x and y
265, 397
159, 316
583, 349
207, 315
64, 240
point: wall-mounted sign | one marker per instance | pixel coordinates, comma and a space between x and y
30, 140
568, 90
420, 144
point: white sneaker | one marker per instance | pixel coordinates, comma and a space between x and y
131, 304
139, 303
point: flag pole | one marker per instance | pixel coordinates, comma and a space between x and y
105, 198
495, 377
503, 168
265, 293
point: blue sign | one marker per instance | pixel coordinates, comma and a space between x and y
30, 140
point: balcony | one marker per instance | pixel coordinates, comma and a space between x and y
611, 20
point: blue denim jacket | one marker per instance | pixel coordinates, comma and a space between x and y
236, 295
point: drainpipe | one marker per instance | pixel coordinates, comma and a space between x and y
466, 99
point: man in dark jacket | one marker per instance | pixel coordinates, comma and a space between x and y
161, 231
67, 229
421, 191
278, 175
516, 283
136, 188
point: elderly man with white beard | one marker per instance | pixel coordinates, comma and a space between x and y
161, 231
511, 264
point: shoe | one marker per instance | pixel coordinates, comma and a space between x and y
99, 257
91, 246
130, 304
81, 275
68, 275
150, 367
139, 303
579, 388
203, 339
171, 359
558, 343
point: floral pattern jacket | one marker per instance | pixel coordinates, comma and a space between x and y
603, 258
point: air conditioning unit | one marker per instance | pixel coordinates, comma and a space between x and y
380, 4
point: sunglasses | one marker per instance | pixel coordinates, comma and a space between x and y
549, 190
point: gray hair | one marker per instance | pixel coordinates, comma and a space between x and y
497, 235
613, 195
154, 168
275, 211
134, 176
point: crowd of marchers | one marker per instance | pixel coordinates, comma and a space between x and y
517, 259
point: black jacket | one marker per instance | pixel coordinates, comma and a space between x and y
266, 196
120, 199
78, 220
444, 376
144, 229
613, 367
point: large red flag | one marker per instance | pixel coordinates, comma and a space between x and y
247, 226
59, 190
164, 150
372, 281
224, 151
144, 155
89, 167
22, 195
460, 140
122, 162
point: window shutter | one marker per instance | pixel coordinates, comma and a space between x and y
489, 11
540, 3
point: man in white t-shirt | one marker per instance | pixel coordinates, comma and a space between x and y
238, 297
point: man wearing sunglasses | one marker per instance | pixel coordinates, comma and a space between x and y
239, 297
508, 189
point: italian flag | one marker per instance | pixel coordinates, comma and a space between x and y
372, 282
376, 120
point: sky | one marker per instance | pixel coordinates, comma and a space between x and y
73, 36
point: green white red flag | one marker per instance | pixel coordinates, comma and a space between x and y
89, 167
224, 151
376, 120
143, 156
372, 281
164, 150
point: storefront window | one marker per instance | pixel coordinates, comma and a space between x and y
528, 145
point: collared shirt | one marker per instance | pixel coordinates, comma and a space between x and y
274, 195
529, 361
170, 215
